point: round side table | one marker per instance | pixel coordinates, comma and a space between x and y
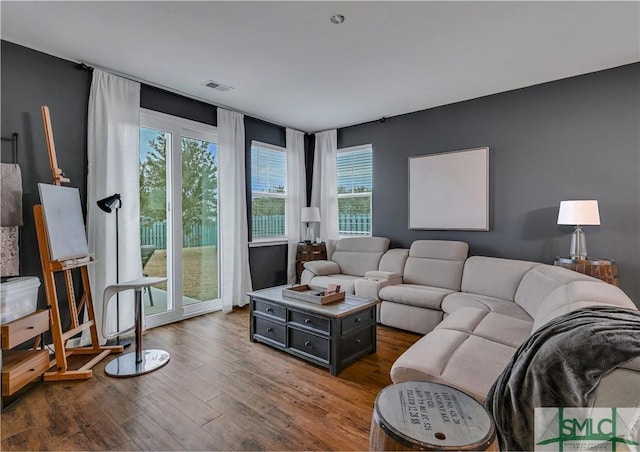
418, 415
604, 269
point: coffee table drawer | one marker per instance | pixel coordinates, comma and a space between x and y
309, 321
357, 342
269, 309
310, 344
268, 329
356, 321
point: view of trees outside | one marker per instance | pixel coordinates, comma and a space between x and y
199, 188
199, 183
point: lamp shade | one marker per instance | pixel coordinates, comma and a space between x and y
310, 215
110, 202
583, 212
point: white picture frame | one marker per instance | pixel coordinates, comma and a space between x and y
450, 190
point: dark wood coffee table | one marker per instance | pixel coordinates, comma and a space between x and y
332, 335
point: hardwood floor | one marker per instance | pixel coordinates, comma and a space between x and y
218, 392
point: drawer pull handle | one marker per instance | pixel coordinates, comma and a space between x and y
307, 320
358, 340
269, 310
358, 319
269, 330
31, 327
32, 370
307, 343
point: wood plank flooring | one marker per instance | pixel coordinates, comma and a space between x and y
218, 392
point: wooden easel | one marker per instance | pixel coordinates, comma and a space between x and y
59, 366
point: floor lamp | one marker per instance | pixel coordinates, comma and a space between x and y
108, 204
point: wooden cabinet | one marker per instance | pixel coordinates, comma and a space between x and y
604, 269
306, 252
21, 367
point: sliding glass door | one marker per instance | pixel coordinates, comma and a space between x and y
179, 216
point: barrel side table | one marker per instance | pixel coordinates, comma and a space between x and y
604, 269
418, 415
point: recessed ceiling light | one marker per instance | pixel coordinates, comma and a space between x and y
337, 19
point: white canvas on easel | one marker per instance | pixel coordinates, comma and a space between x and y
63, 221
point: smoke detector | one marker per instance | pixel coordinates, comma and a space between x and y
217, 86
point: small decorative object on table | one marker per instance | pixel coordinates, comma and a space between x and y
306, 293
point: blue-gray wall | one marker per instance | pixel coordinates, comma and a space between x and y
29, 80
577, 138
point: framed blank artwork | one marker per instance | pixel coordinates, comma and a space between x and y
450, 190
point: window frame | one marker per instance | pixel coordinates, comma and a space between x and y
274, 240
369, 194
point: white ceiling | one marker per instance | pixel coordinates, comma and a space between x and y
288, 64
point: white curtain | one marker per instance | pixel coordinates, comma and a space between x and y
296, 196
324, 191
113, 160
234, 234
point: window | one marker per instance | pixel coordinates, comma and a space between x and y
268, 191
355, 187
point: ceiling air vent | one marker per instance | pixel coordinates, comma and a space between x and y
217, 86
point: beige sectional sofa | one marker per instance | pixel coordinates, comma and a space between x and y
476, 312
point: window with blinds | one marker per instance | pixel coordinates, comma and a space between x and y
268, 191
355, 187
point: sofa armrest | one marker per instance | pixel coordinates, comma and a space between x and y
322, 268
376, 275
370, 285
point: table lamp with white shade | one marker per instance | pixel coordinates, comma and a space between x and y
310, 215
579, 213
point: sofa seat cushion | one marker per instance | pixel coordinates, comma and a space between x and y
462, 360
460, 300
489, 325
415, 295
346, 282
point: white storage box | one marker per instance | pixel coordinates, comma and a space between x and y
18, 297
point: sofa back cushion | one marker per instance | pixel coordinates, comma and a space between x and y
494, 277
358, 255
436, 263
394, 260
578, 295
540, 281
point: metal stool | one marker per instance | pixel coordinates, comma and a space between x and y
141, 361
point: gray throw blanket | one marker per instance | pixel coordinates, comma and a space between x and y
561, 365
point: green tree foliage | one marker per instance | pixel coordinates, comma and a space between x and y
199, 183
357, 205
268, 205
